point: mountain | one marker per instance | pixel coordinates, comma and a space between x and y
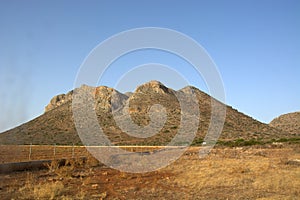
289, 122
109, 108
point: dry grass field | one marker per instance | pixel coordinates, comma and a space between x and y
254, 172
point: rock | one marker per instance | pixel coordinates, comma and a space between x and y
188, 90
295, 162
59, 100
128, 94
108, 98
154, 86
105, 98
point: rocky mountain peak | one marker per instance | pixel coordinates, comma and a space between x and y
105, 98
188, 90
59, 100
154, 86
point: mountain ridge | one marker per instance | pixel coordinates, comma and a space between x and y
56, 125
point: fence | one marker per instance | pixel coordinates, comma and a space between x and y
24, 153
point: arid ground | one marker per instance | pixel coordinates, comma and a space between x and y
255, 172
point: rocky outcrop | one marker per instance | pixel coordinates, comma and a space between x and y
59, 100
154, 86
108, 99
128, 94
105, 98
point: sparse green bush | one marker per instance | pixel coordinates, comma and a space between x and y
242, 142
198, 141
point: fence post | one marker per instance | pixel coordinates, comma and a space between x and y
54, 151
30, 151
73, 154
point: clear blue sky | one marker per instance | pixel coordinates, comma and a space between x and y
255, 44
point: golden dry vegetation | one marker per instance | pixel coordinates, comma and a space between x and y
255, 172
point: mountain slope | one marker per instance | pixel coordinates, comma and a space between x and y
56, 125
289, 122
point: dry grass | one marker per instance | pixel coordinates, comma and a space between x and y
72, 167
239, 174
46, 190
54, 184
227, 173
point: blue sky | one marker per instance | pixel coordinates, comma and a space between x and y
255, 45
